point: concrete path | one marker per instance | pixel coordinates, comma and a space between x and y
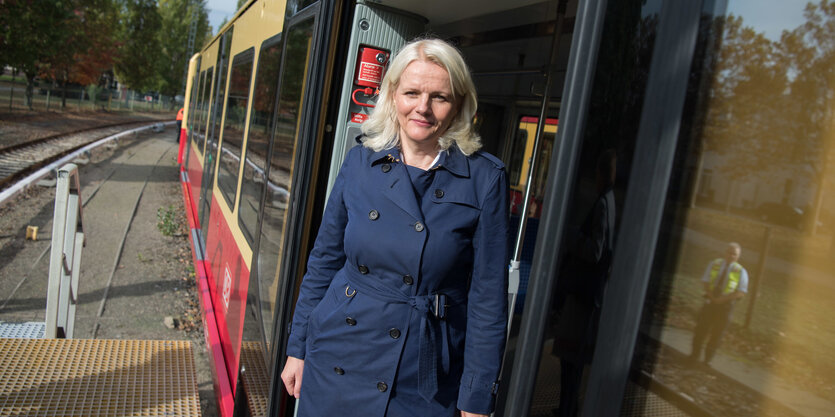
754, 377
145, 284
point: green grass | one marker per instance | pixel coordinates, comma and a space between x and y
170, 221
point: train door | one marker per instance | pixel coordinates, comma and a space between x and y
280, 176
213, 130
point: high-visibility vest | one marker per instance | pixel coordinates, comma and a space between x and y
180, 114
734, 274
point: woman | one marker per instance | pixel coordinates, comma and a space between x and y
403, 309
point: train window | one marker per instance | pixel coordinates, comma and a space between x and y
285, 133
520, 161
204, 107
753, 167
233, 125
260, 120
195, 86
295, 6
194, 115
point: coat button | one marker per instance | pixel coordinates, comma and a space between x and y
382, 386
394, 333
363, 269
418, 227
439, 193
350, 321
373, 214
338, 370
408, 280
386, 167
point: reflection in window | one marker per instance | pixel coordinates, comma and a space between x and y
286, 137
233, 126
260, 121
759, 146
203, 108
195, 87
194, 115
595, 204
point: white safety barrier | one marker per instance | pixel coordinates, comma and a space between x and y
65, 258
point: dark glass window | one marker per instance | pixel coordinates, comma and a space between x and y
753, 166
286, 137
194, 114
596, 200
233, 125
295, 6
260, 120
203, 109
195, 92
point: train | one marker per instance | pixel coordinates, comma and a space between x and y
277, 97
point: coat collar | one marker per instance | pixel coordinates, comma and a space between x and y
452, 160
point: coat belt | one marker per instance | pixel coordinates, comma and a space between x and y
432, 325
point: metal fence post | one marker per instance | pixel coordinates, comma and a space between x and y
11, 91
757, 278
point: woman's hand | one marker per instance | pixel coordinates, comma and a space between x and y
292, 376
466, 414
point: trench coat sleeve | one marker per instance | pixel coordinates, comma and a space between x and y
327, 257
487, 302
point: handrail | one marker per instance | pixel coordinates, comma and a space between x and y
65, 255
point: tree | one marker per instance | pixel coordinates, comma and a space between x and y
33, 31
770, 111
92, 46
809, 51
138, 61
176, 20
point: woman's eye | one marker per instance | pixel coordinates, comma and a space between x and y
441, 98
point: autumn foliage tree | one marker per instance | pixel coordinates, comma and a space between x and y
32, 32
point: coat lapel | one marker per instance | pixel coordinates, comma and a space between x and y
399, 190
396, 184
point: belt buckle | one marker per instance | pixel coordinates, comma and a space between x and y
440, 305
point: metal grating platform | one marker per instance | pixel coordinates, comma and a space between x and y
63, 377
256, 380
27, 330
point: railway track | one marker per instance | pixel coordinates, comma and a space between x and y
19, 160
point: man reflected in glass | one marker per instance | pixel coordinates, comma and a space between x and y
725, 281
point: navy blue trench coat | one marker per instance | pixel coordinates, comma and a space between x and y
403, 310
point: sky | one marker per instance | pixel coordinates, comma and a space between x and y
219, 9
770, 16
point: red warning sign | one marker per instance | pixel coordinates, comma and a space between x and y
370, 67
358, 117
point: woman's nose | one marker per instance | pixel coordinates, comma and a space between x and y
423, 104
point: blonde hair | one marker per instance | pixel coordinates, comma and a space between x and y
381, 129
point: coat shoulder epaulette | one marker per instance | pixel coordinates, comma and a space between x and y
496, 162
